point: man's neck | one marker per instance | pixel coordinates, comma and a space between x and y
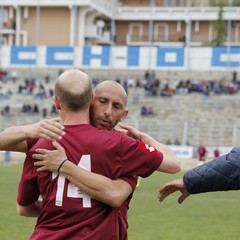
76, 118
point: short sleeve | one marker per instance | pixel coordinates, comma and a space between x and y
139, 159
31, 142
28, 191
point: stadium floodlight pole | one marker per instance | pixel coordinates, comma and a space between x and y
188, 33
1, 30
37, 28
113, 32
74, 8
229, 30
150, 33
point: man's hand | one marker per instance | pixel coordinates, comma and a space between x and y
49, 160
49, 129
130, 131
171, 187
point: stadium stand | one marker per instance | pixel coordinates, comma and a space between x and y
184, 118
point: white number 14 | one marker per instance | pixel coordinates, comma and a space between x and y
72, 190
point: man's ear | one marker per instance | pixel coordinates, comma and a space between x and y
56, 102
124, 115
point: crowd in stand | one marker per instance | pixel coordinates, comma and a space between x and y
37, 89
155, 87
152, 86
147, 111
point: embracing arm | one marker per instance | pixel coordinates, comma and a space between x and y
99, 187
14, 138
170, 163
32, 210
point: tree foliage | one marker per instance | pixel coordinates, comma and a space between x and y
220, 28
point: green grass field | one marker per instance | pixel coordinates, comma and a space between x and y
211, 216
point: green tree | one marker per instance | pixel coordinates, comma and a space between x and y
236, 3
220, 27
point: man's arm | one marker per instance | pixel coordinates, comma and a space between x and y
170, 163
32, 210
220, 174
111, 192
99, 187
28, 203
14, 138
171, 187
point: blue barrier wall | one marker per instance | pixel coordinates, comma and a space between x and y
224, 57
134, 57
59, 56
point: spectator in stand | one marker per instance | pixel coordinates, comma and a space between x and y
146, 76
54, 110
14, 75
144, 111
44, 112
138, 83
47, 79
150, 111
6, 110
35, 109
234, 76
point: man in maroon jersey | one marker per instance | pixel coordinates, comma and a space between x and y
201, 151
108, 109
66, 212
117, 193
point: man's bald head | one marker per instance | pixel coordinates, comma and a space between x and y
109, 105
115, 88
73, 88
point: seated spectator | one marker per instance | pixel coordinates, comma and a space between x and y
35, 109
147, 111
44, 112
6, 111
148, 89
47, 79
54, 110
168, 142
14, 75
144, 111
51, 93
138, 83
150, 111
177, 142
